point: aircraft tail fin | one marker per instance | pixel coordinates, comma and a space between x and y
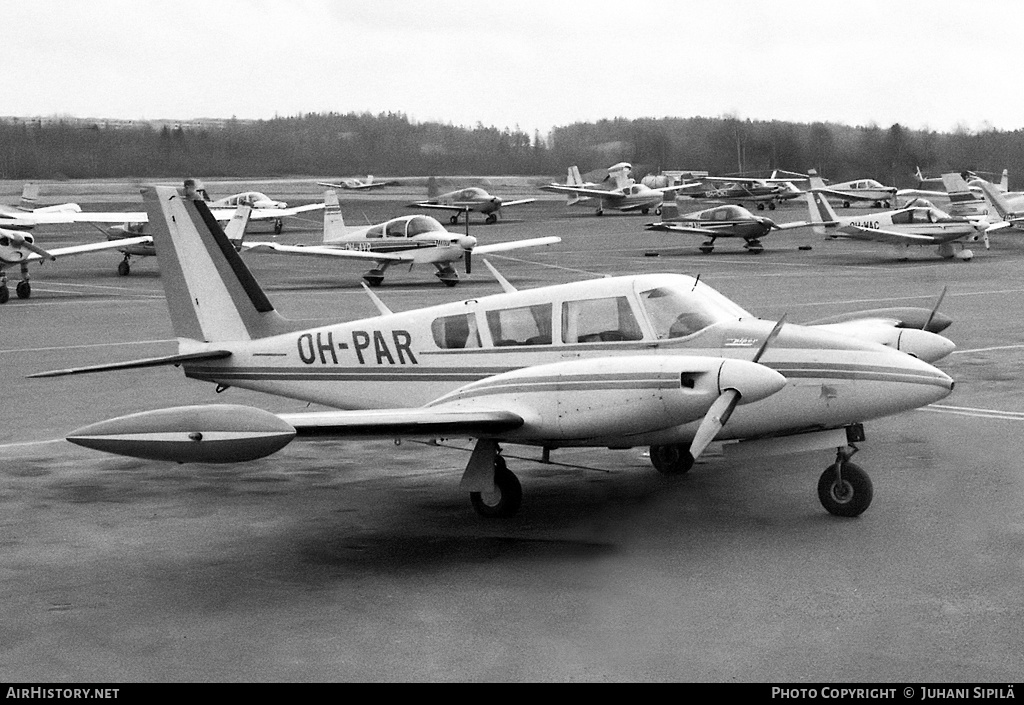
29, 197
573, 178
815, 180
211, 295
235, 230
962, 201
334, 222
1004, 182
432, 190
820, 209
919, 176
997, 200
670, 208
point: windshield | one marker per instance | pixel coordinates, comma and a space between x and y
424, 224
678, 312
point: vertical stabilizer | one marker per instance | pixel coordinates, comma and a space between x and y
211, 294
573, 178
334, 222
962, 201
997, 200
29, 197
1004, 182
235, 230
821, 212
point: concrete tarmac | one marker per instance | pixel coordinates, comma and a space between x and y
363, 561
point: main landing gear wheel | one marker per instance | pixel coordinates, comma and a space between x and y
124, 269
491, 219
849, 493
373, 281
24, 290
5, 294
760, 206
771, 206
454, 219
507, 497
671, 459
657, 211
707, 247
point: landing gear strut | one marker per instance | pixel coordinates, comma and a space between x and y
494, 490
844, 489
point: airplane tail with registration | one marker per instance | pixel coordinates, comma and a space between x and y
211, 295
334, 222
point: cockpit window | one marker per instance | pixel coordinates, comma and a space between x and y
376, 231
396, 228
599, 320
423, 224
677, 313
527, 325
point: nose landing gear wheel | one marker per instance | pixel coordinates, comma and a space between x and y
507, 497
847, 495
5, 294
124, 269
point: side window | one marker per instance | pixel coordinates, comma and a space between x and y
375, 231
456, 332
599, 320
529, 325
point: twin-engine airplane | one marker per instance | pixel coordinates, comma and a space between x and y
727, 221
410, 239
626, 196
902, 228
367, 184
20, 248
469, 200
658, 359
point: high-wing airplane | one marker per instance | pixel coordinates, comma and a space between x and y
849, 192
627, 195
357, 184
409, 239
727, 221
656, 359
760, 192
902, 228
27, 214
20, 248
468, 200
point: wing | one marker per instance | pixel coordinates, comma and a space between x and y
689, 229
736, 180
846, 195
515, 244
327, 251
108, 217
855, 232
517, 202
578, 191
794, 224
441, 206
693, 186
270, 213
91, 247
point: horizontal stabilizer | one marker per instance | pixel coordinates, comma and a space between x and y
133, 364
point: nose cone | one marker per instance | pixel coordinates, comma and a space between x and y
752, 380
924, 345
467, 242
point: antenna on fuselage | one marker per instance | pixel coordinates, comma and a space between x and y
695, 282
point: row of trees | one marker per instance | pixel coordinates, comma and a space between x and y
392, 144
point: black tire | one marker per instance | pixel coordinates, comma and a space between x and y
24, 290
449, 282
672, 459
492, 219
278, 227
506, 501
373, 281
454, 220
771, 206
849, 499
124, 269
5, 294
657, 211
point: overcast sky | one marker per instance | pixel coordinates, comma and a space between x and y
529, 63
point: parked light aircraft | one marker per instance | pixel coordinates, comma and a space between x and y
357, 184
655, 359
627, 195
1009, 216
859, 190
27, 214
409, 239
20, 248
760, 192
927, 187
727, 221
902, 228
467, 200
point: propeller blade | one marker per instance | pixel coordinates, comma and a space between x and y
771, 336
713, 421
32, 247
468, 258
935, 309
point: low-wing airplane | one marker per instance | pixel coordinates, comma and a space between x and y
727, 221
915, 225
20, 248
1009, 216
760, 192
626, 196
657, 359
469, 200
354, 184
27, 214
409, 239
849, 192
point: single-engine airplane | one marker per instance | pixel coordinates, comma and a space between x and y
655, 359
727, 221
915, 225
354, 184
409, 239
468, 200
1009, 216
27, 214
20, 248
867, 190
760, 192
626, 196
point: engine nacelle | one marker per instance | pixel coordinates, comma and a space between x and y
218, 433
614, 396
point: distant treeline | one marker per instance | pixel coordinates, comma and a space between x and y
393, 145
